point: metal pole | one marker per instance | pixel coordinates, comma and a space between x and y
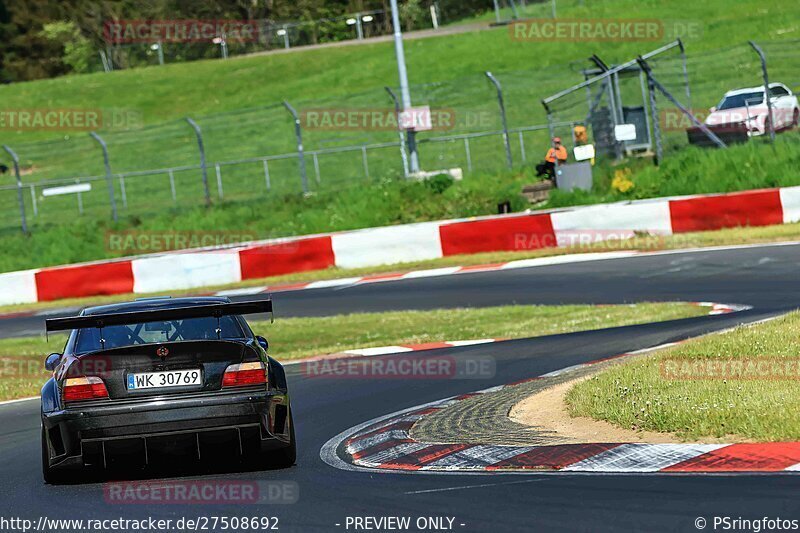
109, 179
612, 106
286, 43
172, 186
199, 134
266, 174
219, 180
359, 28
765, 71
317, 174
469, 153
403, 75
514, 12
685, 74
655, 122
555, 14
160, 53
655, 83
122, 190
298, 130
20, 199
645, 104
503, 117
403, 153
33, 201
364, 161
497, 11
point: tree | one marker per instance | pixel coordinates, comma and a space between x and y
78, 50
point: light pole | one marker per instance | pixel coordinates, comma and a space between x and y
405, 94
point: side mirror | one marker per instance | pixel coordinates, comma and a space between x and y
262, 342
713, 109
52, 361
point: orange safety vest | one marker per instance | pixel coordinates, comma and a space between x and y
551, 154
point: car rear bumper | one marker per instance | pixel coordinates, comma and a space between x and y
93, 434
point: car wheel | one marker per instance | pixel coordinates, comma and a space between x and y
796, 118
50, 475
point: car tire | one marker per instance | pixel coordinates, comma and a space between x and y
50, 475
796, 118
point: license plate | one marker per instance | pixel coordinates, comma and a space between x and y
159, 380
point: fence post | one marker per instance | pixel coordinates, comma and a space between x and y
33, 200
765, 71
685, 74
109, 178
298, 130
654, 120
403, 153
20, 199
199, 134
506, 140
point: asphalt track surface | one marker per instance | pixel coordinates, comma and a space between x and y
767, 278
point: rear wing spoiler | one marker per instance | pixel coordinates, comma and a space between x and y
157, 315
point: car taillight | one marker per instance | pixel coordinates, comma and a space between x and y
244, 374
78, 389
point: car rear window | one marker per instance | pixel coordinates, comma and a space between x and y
194, 329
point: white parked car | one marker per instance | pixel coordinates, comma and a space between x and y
748, 106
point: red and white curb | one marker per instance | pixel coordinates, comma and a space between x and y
385, 445
424, 241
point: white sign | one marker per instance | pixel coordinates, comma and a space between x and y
582, 153
625, 132
67, 189
416, 119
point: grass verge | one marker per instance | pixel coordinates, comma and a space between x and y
742, 384
21, 360
733, 236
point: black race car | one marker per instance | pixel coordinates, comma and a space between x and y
144, 380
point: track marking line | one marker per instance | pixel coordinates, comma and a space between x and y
466, 487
